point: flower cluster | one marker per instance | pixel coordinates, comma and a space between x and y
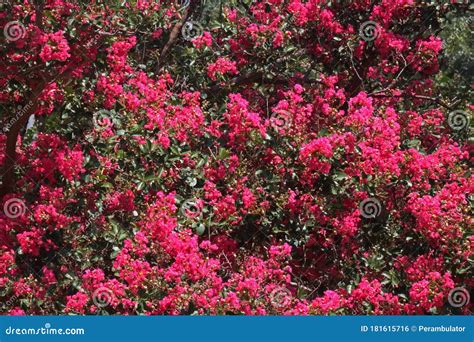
229, 174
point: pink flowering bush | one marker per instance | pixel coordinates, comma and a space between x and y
233, 158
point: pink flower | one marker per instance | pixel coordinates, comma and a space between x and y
203, 40
221, 67
56, 47
76, 303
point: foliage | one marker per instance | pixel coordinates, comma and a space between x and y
235, 157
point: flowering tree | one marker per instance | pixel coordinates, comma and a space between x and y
232, 157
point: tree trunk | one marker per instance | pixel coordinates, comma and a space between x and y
8, 172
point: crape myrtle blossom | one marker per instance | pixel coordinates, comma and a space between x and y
225, 174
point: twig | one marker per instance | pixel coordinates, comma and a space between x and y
173, 38
421, 97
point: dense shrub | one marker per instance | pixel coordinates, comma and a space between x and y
233, 157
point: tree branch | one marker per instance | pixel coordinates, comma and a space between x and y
254, 77
8, 176
421, 97
173, 38
39, 7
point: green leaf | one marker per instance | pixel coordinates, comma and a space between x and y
339, 175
